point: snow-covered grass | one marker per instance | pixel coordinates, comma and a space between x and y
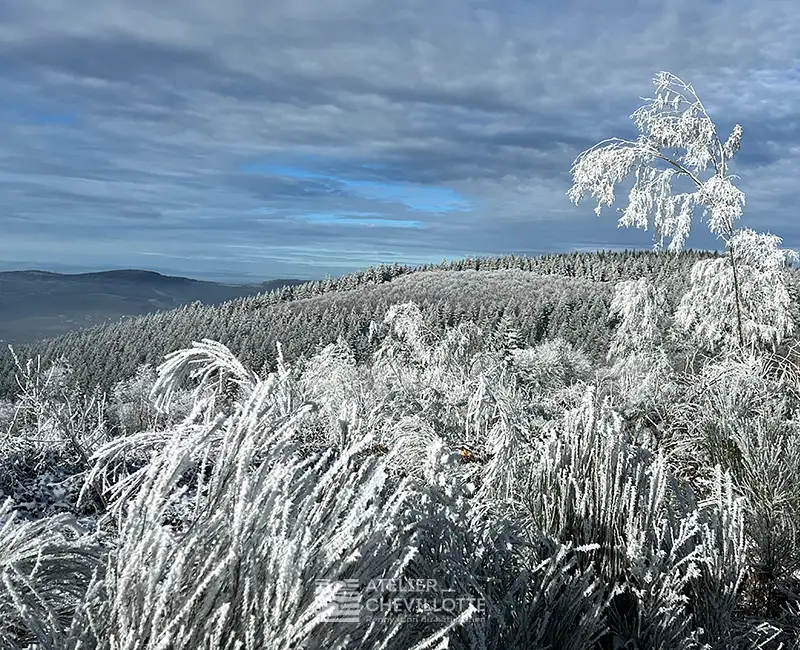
575, 505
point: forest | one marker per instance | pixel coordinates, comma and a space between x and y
565, 296
580, 451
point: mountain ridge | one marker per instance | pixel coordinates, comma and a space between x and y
36, 304
140, 274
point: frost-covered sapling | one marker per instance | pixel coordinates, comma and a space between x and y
764, 316
640, 312
678, 140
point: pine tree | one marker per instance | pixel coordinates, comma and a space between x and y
508, 336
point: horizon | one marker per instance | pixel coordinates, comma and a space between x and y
295, 140
237, 280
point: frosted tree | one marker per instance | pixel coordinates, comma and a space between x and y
677, 140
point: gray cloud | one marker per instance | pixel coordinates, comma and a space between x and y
131, 125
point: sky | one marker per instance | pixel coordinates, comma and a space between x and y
253, 139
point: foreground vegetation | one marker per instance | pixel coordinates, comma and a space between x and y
644, 500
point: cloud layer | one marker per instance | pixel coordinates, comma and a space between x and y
247, 139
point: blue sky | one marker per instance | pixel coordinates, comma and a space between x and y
246, 140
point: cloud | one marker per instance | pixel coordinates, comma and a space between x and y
252, 140
359, 219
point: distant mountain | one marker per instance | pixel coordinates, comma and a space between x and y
41, 304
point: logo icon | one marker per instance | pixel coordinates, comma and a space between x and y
339, 600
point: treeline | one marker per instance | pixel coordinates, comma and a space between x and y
565, 295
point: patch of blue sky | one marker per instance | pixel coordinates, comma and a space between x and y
55, 119
417, 197
24, 112
368, 219
283, 170
422, 198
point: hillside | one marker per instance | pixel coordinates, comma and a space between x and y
39, 304
546, 297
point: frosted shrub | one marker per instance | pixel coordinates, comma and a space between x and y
641, 377
535, 592
643, 388
716, 400
241, 565
46, 567
50, 437
459, 349
762, 458
554, 370
736, 416
133, 409
341, 391
590, 485
50, 413
452, 389
408, 335
641, 313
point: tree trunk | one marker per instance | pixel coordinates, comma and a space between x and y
737, 296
